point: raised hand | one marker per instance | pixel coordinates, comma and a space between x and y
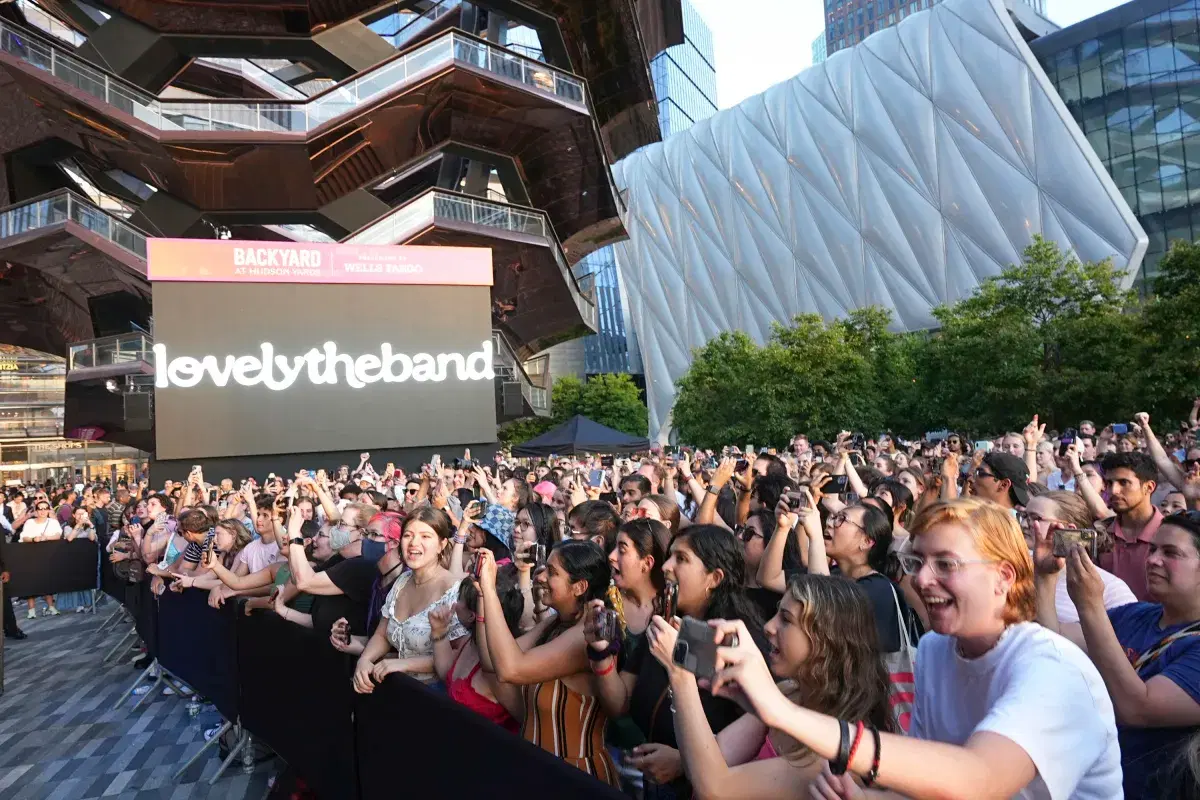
1033, 433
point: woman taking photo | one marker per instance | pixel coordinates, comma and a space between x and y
469, 681
1002, 705
561, 714
707, 567
1147, 653
824, 654
426, 585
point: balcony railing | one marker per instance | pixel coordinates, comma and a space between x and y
66, 206
439, 204
125, 348
508, 368
299, 116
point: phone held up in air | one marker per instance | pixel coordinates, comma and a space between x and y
534, 555
672, 601
696, 651
608, 629
1066, 440
1120, 428
837, 484
1064, 538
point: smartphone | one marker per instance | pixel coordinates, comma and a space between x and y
837, 484
606, 461
1120, 428
209, 551
672, 601
695, 649
476, 567
344, 635
741, 466
985, 446
1066, 440
607, 626
858, 441
535, 554
1064, 538
796, 500
481, 504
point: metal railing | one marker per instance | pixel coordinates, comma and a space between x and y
411, 24
36, 16
124, 348
66, 206
508, 368
299, 116
439, 204
253, 72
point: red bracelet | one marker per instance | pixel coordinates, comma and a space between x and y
858, 732
601, 673
479, 618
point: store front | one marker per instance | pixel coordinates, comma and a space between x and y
67, 461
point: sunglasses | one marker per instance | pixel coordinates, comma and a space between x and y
745, 533
41, 508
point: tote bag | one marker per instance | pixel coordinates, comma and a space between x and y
900, 667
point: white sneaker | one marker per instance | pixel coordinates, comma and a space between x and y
80, 610
32, 614
52, 612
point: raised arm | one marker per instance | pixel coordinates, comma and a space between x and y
1095, 502
1032, 434
1166, 465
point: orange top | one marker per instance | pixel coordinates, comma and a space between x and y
569, 725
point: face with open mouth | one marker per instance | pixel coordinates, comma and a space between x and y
420, 545
964, 592
790, 647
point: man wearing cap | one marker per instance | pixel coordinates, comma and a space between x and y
1003, 479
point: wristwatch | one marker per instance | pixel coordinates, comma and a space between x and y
296, 540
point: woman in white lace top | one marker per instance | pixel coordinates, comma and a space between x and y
405, 643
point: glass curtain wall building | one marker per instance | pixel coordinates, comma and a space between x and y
1131, 78
685, 83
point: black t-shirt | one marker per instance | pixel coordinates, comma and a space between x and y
884, 598
355, 577
650, 708
765, 600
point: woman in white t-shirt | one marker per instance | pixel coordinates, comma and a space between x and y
1002, 706
1069, 510
41, 527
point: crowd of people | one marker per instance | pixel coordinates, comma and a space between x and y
1018, 616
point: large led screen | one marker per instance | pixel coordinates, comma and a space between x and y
265, 368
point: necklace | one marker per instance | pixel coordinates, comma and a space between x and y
958, 646
422, 583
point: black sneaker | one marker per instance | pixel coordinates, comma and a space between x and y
18, 634
143, 662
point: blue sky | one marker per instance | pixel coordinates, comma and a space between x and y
757, 48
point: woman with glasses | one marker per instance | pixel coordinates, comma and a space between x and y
1002, 708
41, 527
707, 569
858, 539
1147, 653
1045, 514
536, 524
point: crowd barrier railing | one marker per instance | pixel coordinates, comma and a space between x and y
41, 568
289, 688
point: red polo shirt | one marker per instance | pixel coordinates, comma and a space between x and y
1128, 557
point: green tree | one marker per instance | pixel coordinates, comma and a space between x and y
1169, 373
612, 400
1048, 336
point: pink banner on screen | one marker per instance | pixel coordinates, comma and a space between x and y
231, 261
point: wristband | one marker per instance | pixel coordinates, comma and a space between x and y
443, 636
858, 732
600, 673
460, 539
838, 765
870, 777
296, 540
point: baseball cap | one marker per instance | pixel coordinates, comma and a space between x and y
1010, 468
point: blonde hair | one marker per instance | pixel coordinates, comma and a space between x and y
998, 538
1072, 508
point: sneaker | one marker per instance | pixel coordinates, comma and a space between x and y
211, 732
32, 614
143, 689
52, 612
80, 610
143, 662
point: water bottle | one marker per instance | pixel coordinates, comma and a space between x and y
193, 707
248, 755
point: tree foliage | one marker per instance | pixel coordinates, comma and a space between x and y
1050, 336
612, 400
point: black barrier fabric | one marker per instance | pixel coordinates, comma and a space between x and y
296, 696
198, 644
143, 605
413, 741
40, 568
110, 584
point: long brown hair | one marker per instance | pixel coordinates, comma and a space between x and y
843, 675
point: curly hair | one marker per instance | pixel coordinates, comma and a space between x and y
843, 675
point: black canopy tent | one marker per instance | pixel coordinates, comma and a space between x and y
581, 435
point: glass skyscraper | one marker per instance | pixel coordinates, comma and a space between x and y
685, 82
1130, 79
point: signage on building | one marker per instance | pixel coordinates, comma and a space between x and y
9, 365
88, 434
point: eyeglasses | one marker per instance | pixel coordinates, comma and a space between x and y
942, 566
839, 519
983, 473
1026, 519
746, 533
